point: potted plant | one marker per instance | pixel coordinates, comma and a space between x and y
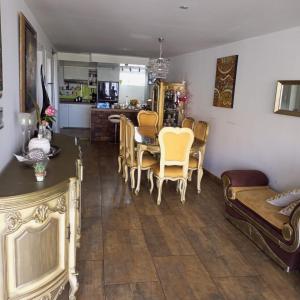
40, 171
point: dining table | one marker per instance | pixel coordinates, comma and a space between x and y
146, 139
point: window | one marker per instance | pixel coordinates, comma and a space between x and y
133, 75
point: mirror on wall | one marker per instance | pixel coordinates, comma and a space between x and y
288, 98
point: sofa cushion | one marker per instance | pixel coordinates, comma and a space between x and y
256, 201
232, 191
284, 199
289, 209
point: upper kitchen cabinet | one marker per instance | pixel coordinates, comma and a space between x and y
76, 73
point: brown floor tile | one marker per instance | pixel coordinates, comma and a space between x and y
245, 288
90, 280
165, 237
91, 244
126, 258
135, 291
184, 277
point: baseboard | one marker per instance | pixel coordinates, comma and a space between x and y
215, 178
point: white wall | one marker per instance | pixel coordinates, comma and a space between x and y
250, 135
128, 92
10, 135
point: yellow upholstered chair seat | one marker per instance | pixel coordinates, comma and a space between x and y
170, 171
255, 199
148, 161
193, 163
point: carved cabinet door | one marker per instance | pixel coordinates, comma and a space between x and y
35, 250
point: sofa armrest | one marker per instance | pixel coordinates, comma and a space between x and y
291, 230
243, 178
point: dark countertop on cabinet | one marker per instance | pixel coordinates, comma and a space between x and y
73, 102
18, 179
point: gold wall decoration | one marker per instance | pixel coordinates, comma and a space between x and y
225, 81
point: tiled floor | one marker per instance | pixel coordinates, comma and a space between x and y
133, 249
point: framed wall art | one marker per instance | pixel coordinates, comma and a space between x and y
28, 65
1, 69
225, 81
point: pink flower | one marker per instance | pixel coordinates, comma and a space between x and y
50, 111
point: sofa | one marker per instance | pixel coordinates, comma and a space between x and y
278, 235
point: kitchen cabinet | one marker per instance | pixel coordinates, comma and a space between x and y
75, 115
76, 73
63, 115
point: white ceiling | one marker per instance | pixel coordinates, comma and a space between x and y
131, 27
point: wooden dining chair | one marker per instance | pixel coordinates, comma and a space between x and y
147, 118
201, 131
122, 146
175, 146
188, 123
131, 160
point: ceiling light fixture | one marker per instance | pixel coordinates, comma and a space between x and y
158, 67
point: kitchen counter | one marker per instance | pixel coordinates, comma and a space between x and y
101, 128
73, 102
116, 110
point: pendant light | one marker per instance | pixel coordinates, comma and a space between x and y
158, 67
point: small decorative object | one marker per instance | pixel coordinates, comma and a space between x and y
134, 102
40, 171
26, 123
39, 143
46, 100
28, 64
225, 81
37, 155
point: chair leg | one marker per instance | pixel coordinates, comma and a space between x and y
199, 178
157, 183
177, 186
132, 177
119, 164
126, 172
183, 190
160, 184
139, 171
190, 174
123, 167
151, 182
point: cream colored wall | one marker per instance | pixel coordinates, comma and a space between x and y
10, 134
250, 135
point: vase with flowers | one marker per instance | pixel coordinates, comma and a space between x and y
183, 99
45, 121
